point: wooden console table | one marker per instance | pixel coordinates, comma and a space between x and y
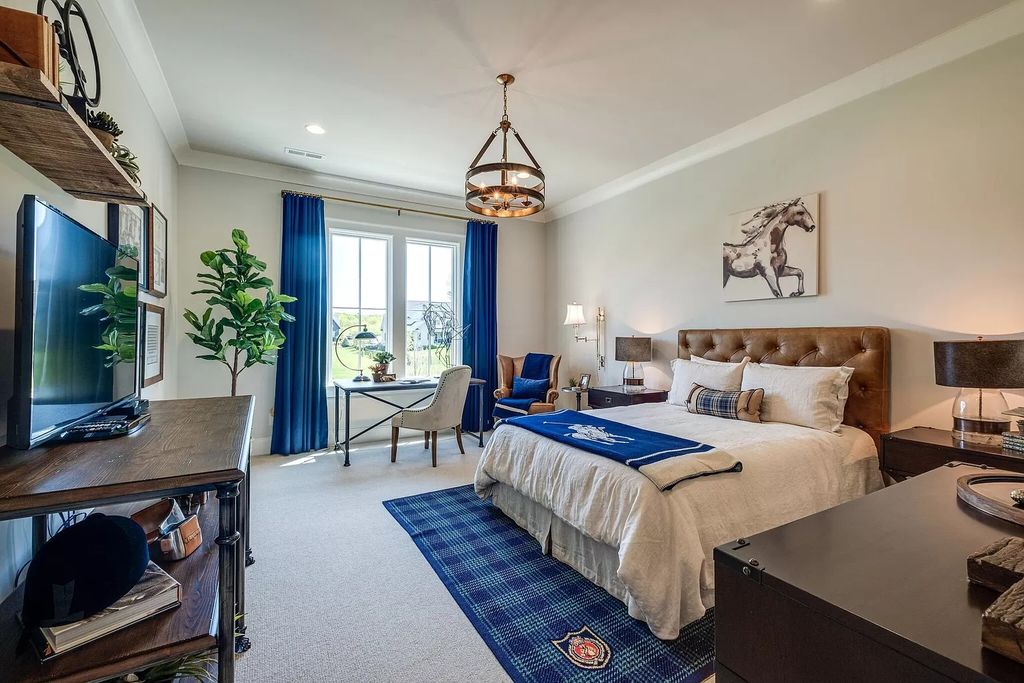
189, 446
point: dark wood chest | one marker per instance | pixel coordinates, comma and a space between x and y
873, 590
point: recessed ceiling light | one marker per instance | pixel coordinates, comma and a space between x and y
315, 128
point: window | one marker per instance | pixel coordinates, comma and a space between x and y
433, 334
360, 281
420, 323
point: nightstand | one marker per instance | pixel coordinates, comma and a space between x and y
919, 449
607, 397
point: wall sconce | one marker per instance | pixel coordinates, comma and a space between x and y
574, 316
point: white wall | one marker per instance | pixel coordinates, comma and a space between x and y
211, 203
123, 98
921, 230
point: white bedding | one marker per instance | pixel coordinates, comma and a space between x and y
664, 540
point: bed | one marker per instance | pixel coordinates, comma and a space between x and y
652, 550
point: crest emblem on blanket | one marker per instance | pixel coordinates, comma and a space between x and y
584, 649
592, 433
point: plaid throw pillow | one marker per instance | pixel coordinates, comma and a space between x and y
732, 405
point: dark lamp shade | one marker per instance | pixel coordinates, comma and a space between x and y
997, 364
365, 335
633, 349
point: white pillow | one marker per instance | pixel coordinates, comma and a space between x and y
807, 396
707, 373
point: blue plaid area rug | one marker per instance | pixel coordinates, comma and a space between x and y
542, 620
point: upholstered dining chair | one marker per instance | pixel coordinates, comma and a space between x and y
510, 367
443, 412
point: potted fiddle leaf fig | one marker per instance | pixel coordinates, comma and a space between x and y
246, 330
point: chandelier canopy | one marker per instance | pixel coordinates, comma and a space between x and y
504, 189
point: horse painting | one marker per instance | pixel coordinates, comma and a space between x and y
760, 252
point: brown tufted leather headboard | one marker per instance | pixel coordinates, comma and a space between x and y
865, 349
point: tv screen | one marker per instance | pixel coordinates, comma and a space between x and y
76, 325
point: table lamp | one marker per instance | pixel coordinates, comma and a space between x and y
634, 351
980, 369
360, 340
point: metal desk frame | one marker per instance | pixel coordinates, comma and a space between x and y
368, 389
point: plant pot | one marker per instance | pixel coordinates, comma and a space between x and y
378, 372
105, 138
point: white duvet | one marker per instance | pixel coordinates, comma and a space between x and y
664, 540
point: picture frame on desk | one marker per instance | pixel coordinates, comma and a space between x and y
128, 226
585, 381
156, 253
152, 344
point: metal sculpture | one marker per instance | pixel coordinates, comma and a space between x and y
66, 11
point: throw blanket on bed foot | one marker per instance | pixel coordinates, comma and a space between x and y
664, 459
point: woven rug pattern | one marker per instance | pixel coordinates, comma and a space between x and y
521, 600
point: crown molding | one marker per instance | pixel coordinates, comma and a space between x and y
977, 34
352, 187
131, 36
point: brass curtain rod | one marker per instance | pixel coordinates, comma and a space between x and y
389, 207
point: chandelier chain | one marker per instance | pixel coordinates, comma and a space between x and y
508, 195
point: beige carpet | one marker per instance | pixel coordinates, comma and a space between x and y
339, 591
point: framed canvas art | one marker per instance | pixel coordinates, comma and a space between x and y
156, 262
152, 344
128, 227
772, 252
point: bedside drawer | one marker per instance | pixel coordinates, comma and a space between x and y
607, 399
907, 458
912, 459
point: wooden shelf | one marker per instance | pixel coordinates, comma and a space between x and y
38, 126
186, 629
189, 446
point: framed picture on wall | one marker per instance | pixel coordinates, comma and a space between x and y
128, 227
156, 261
771, 252
152, 344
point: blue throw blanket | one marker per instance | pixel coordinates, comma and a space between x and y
664, 459
535, 366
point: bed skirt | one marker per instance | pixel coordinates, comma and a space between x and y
597, 562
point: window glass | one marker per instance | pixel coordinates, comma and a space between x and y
359, 298
433, 334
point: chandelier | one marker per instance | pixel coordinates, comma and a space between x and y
504, 189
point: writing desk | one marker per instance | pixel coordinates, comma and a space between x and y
368, 389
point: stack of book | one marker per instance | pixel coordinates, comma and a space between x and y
155, 592
1014, 441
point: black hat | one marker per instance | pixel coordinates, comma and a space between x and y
83, 570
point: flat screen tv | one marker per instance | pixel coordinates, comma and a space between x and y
76, 325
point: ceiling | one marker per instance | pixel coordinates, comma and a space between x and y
406, 89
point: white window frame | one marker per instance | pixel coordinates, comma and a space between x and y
390, 297
398, 238
456, 247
